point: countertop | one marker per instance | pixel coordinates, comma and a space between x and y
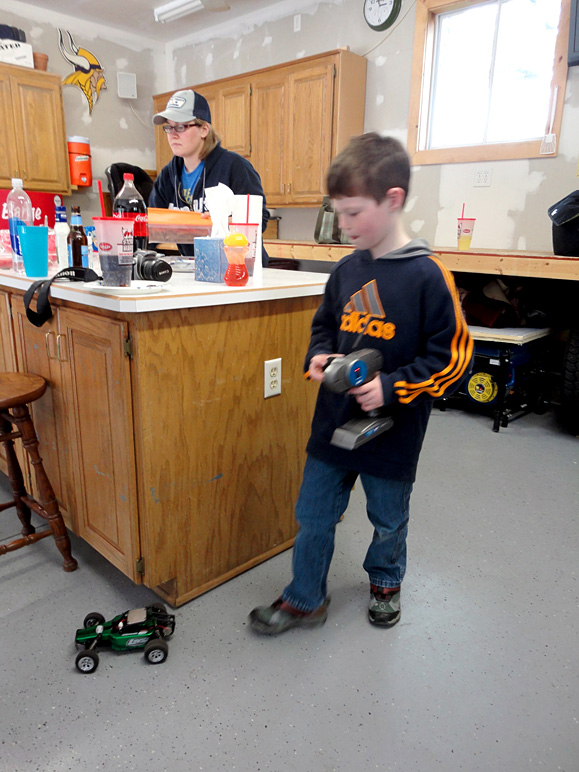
486, 261
182, 291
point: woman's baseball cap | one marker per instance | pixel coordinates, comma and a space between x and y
183, 107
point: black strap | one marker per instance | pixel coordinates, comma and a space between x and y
43, 310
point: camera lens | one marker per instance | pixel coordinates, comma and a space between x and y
152, 268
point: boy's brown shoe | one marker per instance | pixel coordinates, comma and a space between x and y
280, 616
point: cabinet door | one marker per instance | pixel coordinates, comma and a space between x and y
270, 127
40, 132
37, 351
98, 395
310, 134
235, 122
8, 152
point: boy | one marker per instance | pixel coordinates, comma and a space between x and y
402, 301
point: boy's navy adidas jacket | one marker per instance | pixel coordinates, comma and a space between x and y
220, 166
408, 306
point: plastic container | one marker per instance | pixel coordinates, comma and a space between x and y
79, 161
19, 209
176, 226
61, 229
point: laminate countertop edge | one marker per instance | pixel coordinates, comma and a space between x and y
182, 291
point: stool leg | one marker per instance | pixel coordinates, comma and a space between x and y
47, 499
16, 482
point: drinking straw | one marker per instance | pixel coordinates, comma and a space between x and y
461, 217
100, 186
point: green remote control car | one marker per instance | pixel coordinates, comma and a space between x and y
141, 628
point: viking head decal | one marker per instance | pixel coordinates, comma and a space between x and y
88, 73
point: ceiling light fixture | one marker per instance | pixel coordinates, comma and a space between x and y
179, 8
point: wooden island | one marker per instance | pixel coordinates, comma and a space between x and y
155, 433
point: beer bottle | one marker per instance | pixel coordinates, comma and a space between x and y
77, 241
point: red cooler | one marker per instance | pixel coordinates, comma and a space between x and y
79, 161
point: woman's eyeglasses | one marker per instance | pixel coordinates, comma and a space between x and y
179, 128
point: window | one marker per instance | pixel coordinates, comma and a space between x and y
488, 79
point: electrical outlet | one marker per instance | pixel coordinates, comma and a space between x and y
271, 377
483, 178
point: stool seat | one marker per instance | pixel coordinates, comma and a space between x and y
20, 389
17, 391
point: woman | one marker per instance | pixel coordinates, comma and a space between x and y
199, 161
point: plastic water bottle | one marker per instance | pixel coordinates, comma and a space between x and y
61, 229
19, 213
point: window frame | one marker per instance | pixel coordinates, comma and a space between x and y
422, 67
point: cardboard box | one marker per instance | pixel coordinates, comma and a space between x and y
15, 52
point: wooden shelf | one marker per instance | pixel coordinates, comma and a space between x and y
497, 262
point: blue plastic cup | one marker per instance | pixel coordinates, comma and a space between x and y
34, 246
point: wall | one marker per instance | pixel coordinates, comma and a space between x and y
511, 214
118, 129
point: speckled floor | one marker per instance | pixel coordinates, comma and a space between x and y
481, 674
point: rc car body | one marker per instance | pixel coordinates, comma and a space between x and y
142, 628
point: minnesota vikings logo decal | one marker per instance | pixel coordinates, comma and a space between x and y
88, 73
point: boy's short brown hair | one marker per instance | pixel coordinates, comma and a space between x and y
369, 166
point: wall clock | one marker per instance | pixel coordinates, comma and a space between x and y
381, 14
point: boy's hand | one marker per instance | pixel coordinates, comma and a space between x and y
370, 396
317, 362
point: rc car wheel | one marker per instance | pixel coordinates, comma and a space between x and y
92, 619
87, 661
570, 392
156, 652
160, 607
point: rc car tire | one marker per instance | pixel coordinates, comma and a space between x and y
156, 651
160, 607
92, 619
570, 393
87, 661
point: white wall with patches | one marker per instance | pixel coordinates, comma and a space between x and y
511, 213
118, 129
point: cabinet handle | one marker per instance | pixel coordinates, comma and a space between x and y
58, 337
289, 188
48, 354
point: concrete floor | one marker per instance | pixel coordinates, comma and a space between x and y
481, 673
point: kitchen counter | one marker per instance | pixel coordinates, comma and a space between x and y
182, 291
497, 262
155, 433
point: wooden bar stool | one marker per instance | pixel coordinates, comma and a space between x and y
17, 390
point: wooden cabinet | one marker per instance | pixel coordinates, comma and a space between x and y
229, 103
84, 422
289, 120
34, 136
169, 462
293, 159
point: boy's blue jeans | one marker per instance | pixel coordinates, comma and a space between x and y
323, 498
